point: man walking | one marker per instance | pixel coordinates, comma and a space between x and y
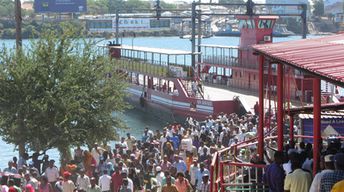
274, 174
329, 179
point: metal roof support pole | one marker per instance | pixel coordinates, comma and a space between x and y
117, 26
280, 113
199, 36
260, 131
291, 128
316, 123
193, 36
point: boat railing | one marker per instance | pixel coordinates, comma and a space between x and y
155, 68
196, 93
220, 60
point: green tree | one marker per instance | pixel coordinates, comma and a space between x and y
6, 8
318, 7
132, 5
97, 7
58, 94
165, 5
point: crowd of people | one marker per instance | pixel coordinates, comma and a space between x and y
292, 169
175, 159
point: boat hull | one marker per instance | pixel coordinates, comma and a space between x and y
172, 108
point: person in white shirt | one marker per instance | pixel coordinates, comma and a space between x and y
159, 176
67, 185
193, 172
130, 140
186, 143
162, 141
205, 186
93, 187
105, 182
22, 160
328, 163
199, 175
30, 180
83, 181
200, 149
96, 153
52, 173
287, 166
124, 174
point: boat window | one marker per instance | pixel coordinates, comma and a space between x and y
265, 24
249, 24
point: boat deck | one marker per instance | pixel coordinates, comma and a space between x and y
217, 94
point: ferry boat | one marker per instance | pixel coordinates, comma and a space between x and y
164, 80
161, 82
236, 67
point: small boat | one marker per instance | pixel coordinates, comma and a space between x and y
189, 36
279, 30
229, 31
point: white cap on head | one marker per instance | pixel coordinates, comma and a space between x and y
124, 171
158, 168
329, 158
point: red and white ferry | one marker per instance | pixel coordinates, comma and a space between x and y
161, 78
160, 81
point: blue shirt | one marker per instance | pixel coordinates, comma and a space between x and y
175, 141
180, 166
274, 177
199, 177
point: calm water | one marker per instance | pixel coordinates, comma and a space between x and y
135, 119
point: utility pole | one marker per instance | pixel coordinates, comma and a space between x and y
304, 20
117, 26
18, 18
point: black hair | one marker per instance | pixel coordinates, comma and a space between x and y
296, 161
180, 174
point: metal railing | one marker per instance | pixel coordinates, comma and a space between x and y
220, 60
226, 170
241, 176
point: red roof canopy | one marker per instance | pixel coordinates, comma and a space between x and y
323, 57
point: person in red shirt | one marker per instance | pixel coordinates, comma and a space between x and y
117, 180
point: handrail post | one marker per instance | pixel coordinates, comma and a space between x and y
260, 131
280, 107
